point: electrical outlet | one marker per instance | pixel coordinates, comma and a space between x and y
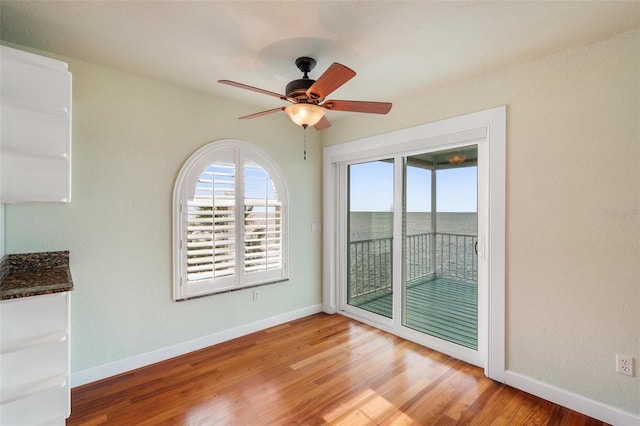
624, 364
256, 295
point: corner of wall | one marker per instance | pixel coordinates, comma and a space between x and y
2, 233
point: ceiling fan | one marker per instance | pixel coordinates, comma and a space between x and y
307, 96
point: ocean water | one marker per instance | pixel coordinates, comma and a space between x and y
372, 225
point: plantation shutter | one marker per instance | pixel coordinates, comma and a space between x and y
262, 222
211, 225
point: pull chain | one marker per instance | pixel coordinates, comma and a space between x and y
305, 142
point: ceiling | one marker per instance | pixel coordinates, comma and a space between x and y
398, 48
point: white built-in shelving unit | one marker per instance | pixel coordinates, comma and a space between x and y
34, 354
35, 123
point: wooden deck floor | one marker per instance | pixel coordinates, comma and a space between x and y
443, 307
318, 370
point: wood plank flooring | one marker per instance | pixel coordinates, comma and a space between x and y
443, 307
322, 369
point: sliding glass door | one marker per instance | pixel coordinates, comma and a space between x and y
370, 237
440, 280
411, 245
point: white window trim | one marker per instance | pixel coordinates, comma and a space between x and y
489, 123
184, 187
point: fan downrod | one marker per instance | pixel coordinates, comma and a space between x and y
297, 89
305, 64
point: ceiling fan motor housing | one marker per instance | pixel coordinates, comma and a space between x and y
297, 89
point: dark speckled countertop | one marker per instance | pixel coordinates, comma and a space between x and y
32, 274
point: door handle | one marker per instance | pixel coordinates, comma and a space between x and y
480, 247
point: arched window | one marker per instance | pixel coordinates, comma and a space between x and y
229, 220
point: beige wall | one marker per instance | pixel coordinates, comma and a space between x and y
130, 138
573, 209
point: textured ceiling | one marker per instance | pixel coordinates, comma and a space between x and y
396, 47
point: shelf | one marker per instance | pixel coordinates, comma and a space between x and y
33, 154
34, 179
43, 339
29, 389
34, 106
31, 59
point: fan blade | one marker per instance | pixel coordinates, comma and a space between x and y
358, 106
322, 124
335, 76
260, 114
253, 89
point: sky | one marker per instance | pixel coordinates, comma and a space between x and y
372, 188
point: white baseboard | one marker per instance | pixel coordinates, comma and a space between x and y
107, 370
579, 403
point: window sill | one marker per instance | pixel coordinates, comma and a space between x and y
214, 293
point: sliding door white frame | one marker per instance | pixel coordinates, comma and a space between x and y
485, 128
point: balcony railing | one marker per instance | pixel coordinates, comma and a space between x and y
455, 256
370, 266
448, 255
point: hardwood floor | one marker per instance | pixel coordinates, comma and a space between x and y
322, 369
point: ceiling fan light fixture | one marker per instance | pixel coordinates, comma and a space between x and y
305, 114
457, 159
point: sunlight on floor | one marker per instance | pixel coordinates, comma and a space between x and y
365, 408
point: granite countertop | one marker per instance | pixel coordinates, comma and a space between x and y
33, 274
